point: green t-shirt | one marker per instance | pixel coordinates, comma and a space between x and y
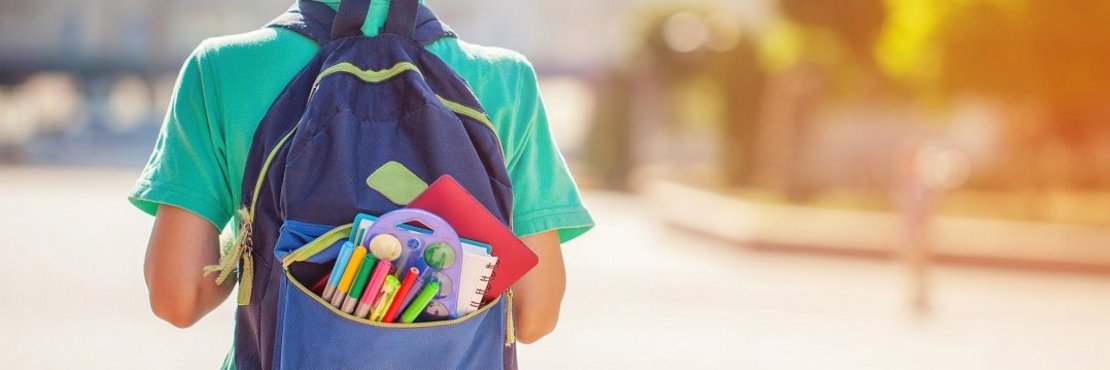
228, 83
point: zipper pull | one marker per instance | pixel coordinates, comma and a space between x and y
240, 251
510, 327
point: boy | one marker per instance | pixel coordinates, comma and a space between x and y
226, 86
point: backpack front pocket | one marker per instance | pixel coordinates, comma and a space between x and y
311, 333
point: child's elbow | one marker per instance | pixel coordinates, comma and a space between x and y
173, 310
532, 330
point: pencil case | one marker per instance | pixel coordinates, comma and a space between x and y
311, 333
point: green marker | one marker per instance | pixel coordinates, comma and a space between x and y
359, 283
420, 302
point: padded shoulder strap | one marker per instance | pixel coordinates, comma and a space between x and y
314, 20
429, 28
311, 19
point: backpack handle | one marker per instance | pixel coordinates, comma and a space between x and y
349, 19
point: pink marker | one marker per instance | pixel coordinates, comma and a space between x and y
366, 302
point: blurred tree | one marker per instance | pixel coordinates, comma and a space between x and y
609, 146
743, 84
1048, 55
820, 52
693, 66
857, 23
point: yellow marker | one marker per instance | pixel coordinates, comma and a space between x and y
348, 276
388, 294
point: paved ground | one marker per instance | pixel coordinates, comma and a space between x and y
640, 295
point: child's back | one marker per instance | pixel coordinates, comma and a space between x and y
229, 83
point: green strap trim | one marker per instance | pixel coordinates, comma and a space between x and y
375, 76
266, 168
467, 111
368, 75
317, 245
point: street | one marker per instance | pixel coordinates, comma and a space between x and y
640, 295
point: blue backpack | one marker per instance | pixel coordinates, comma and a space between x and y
361, 129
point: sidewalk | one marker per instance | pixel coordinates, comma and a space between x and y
982, 241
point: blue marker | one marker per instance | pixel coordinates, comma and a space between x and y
337, 270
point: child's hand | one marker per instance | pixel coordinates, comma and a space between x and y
181, 244
538, 295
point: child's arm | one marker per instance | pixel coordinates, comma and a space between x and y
538, 295
181, 244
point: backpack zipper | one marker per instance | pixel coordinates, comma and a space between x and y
244, 244
375, 76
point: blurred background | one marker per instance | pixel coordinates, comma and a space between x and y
778, 184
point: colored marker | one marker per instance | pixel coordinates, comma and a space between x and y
318, 287
360, 236
406, 285
360, 283
381, 304
420, 302
348, 276
422, 279
375, 286
337, 270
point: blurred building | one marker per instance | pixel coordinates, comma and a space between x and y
108, 36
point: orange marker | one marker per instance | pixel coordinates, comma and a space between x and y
348, 276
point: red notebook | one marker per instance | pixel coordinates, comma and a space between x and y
449, 200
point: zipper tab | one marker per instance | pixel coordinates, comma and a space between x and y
239, 251
246, 279
510, 327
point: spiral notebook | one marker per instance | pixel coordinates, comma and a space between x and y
477, 269
476, 272
449, 200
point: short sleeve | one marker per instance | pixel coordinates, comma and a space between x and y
187, 167
545, 196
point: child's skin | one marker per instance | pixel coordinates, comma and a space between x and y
182, 243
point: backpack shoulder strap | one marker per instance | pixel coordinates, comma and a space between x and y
311, 19
314, 20
429, 28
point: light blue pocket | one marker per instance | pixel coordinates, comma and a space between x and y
310, 333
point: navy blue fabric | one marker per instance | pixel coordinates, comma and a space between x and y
402, 18
352, 14
309, 18
341, 132
313, 20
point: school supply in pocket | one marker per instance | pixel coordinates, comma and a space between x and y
359, 285
337, 271
477, 271
448, 199
399, 297
421, 259
385, 297
370, 295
